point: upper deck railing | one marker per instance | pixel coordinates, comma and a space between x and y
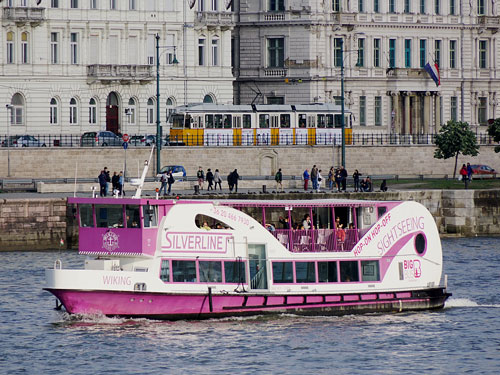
317, 240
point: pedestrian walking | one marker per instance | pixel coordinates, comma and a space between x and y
210, 179
217, 179
121, 182
170, 181
201, 177
314, 177
279, 180
235, 179
163, 180
305, 177
320, 181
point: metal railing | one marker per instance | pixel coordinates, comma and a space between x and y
229, 140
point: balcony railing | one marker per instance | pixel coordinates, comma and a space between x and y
121, 72
315, 240
215, 19
24, 14
489, 22
275, 72
407, 73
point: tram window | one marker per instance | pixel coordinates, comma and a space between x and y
187, 122
237, 122
311, 121
228, 122
234, 272
184, 271
132, 215
349, 271
302, 120
165, 270
327, 272
218, 121
338, 121
209, 121
329, 121
247, 121
210, 271
109, 216
264, 121
321, 121
177, 120
86, 215
282, 272
150, 216
285, 121
274, 122
305, 272
370, 270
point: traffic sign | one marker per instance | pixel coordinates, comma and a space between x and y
125, 145
125, 138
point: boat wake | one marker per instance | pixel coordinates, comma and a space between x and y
465, 302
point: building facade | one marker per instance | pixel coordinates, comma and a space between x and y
292, 51
70, 66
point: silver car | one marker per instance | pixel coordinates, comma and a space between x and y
101, 138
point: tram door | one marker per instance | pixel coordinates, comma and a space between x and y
258, 266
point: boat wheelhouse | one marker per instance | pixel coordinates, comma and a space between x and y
178, 259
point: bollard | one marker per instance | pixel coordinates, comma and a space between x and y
264, 189
196, 189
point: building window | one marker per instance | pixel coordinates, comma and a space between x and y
215, 6
392, 53
169, 108
376, 6
376, 53
132, 5
208, 99
361, 53
73, 112
74, 48
24, 48
54, 48
453, 54
93, 4
53, 117
407, 6
483, 61
170, 54
453, 9
407, 53
423, 52
131, 111
361, 6
17, 110
10, 48
112, 4
215, 52
337, 52
150, 114
276, 5
392, 6
74, 4
336, 5
437, 52
276, 52
92, 111
378, 111
54, 3
481, 9
362, 110
422, 6
437, 6
454, 108
201, 51
275, 100
482, 111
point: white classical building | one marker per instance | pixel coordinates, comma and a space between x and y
70, 66
291, 51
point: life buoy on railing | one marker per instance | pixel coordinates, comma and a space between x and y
58, 264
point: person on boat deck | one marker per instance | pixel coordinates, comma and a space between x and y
205, 226
270, 227
284, 222
306, 223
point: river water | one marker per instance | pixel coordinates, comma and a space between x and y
463, 338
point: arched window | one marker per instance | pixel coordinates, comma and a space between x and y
10, 48
54, 115
208, 99
24, 48
151, 111
92, 111
17, 110
73, 112
131, 111
169, 108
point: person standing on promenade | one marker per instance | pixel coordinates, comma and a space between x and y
210, 179
235, 179
305, 177
217, 179
314, 177
465, 178
114, 183
201, 177
279, 180
343, 177
108, 179
355, 177
163, 180
102, 184
469, 172
121, 181
170, 181
331, 178
320, 181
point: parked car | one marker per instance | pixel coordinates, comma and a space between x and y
483, 171
144, 140
101, 138
22, 141
178, 172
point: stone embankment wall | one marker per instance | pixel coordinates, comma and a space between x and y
38, 224
250, 161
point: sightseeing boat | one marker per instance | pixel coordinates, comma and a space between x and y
196, 259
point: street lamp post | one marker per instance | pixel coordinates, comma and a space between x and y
9, 107
342, 99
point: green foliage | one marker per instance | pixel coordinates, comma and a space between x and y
494, 131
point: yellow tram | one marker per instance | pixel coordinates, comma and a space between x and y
267, 124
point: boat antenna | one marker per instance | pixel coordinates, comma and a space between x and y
140, 183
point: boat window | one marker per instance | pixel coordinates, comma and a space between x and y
370, 270
210, 271
282, 272
86, 215
247, 121
366, 217
327, 272
322, 218
132, 215
209, 121
381, 210
234, 272
305, 272
165, 270
109, 216
208, 223
150, 216
277, 217
184, 271
349, 271
299, 218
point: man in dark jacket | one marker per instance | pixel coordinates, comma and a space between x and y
102, 183
343, 177
210, 179
233, 180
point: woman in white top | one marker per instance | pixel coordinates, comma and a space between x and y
320, 181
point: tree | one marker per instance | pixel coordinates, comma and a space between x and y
494, 131
455, 138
